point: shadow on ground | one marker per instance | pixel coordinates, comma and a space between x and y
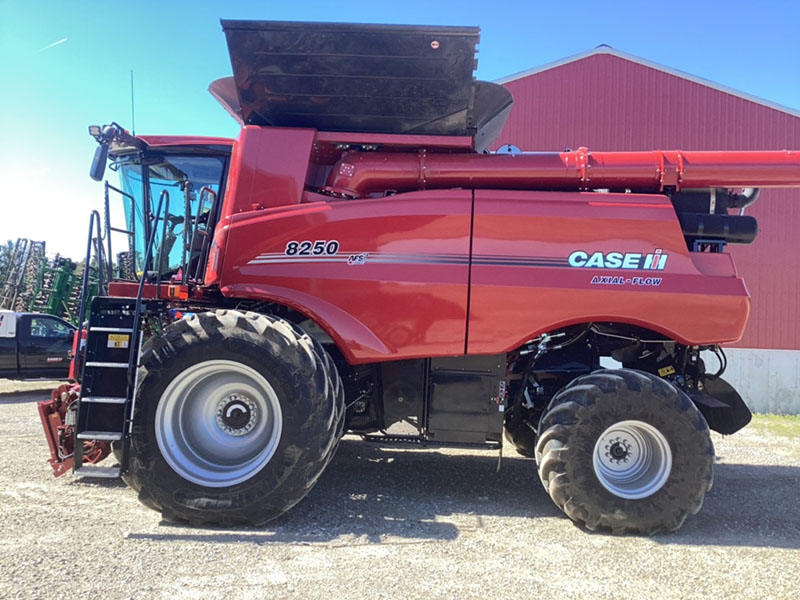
375, 492
24, 397
97, 482
749, 505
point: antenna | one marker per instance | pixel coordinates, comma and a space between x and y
133, 117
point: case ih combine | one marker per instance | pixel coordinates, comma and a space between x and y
355, 260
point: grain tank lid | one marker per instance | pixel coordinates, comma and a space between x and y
224, 90
357, 78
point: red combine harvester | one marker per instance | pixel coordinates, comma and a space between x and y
356, 261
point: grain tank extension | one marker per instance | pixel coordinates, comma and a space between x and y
355, 262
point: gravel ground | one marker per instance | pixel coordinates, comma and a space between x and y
395, 523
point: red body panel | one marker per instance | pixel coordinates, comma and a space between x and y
268, 168
408, 298
518, 295
272, 168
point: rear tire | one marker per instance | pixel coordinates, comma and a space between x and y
625, 451
237, 416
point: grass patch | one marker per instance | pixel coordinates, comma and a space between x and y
788, 426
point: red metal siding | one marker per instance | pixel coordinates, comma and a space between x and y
607, 102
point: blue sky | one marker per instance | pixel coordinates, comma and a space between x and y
65, 65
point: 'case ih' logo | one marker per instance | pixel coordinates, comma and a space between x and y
618, 260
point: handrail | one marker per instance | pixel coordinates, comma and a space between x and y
187, 225
107, 223
94, 218
131, 233
205, 190
163, 239
133, 355
121, 192
135, 343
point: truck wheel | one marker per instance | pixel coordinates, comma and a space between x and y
237, 416
626, 451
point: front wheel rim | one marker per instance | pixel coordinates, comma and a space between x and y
218, 423
632, 459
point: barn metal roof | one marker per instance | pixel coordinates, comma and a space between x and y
605, 49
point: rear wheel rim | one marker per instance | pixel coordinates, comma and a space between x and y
632, 459
218, 423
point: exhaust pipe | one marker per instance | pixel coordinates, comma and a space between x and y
743, 200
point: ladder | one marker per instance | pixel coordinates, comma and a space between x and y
108, 384
111, 358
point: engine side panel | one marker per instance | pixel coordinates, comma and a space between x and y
386, 278
524, 282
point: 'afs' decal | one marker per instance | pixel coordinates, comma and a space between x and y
357, 259
618, 260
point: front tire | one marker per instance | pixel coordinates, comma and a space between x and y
237, 416
625, 451
519, 432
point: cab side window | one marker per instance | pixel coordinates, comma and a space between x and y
47, 327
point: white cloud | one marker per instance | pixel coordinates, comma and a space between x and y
56, 43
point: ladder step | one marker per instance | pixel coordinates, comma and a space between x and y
105, 399
104, 472
105, 436
112, 329
108, 365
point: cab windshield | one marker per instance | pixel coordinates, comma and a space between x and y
190, 185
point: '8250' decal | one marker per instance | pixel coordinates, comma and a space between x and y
307, 248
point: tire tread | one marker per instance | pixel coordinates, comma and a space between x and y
304, 359
566, 417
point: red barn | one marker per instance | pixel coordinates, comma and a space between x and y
608, 100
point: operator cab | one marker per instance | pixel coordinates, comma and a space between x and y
185, 176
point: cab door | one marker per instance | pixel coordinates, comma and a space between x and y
44, 345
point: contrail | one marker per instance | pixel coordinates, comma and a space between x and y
61, 41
